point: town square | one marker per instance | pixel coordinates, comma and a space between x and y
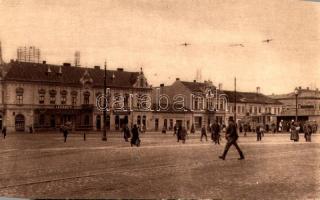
161, 99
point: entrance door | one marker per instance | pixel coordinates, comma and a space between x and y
19, 122
117, 122
98, 122
179, 123
52, 121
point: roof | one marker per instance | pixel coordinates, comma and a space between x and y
303, 93
34, 72
250, 97
196, 86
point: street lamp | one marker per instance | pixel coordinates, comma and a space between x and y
296, 92
104, 135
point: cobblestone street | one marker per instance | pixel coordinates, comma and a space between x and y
42, 166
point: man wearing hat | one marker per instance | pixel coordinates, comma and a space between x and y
232, 137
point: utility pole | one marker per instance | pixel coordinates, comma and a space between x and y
104, 135
235, 99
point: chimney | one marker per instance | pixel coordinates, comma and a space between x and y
177, 79
307, 88
258, 90
44, 62
162, 85
299, 87
120, 69
66, 64
96, 67
194, 81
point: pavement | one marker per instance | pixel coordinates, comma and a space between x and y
41, 165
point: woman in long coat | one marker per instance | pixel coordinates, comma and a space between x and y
295, 132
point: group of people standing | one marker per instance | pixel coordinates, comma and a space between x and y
134, 135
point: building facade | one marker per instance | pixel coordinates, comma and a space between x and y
308, 105
253, 108
44, 97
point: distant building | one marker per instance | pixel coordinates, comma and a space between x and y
28, 54
308, 105
253, 107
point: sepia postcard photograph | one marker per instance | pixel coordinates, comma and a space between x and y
160, 99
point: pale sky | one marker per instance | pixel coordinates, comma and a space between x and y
149, 34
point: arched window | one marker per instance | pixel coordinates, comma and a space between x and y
42, 93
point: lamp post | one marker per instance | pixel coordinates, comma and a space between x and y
104, 135
296, 92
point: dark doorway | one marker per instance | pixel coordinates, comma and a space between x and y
19, 122
98, 122
52, 121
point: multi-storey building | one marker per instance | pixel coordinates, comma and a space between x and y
45, 96
308, 105
253, 107
189, 103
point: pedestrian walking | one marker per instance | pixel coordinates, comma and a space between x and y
4, 132
183, 134
215, 132
65, 133
175, 128
203, 133
258, 131
135, 140
179, 133
245, 128
126, 133
295, 131
232, 137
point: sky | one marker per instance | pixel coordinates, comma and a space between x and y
148, 34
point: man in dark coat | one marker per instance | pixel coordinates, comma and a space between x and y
258, 131
135, 136
4, 132
216, 132
203, 133
179, 133
232, 137
65, 133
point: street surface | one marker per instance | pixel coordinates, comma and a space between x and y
40, 165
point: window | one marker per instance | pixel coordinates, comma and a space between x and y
259, 109
63, 94
250, 109
41, 99
52, 96
74, 100
19, 98
86, 98
42, 93
19, 95
63, 99
52, 99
